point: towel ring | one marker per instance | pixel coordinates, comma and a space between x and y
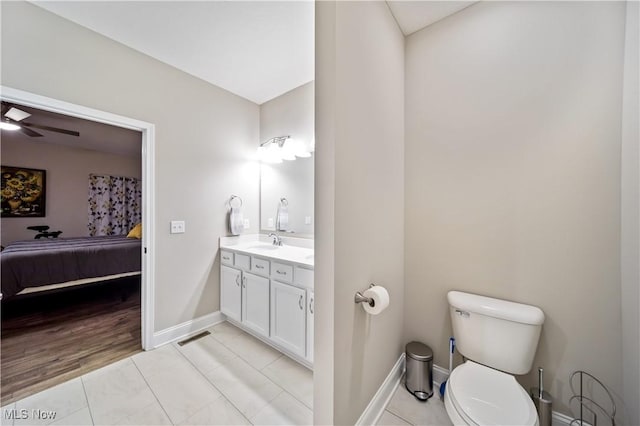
232, 199
284, 201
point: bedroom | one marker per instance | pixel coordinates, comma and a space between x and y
90, 294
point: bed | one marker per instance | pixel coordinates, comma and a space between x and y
38, 265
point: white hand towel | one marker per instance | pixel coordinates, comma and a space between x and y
282, 218
236, 220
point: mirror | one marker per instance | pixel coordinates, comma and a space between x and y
292, 180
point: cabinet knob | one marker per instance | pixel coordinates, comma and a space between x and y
311, 306
280, 272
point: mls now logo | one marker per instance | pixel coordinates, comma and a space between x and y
25, 414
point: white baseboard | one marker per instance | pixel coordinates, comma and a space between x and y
378, 403
559, 419
439, 375
186, 329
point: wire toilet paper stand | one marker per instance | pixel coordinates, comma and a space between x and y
581, 382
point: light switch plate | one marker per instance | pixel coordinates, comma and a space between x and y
270, 222
247, 224
177, 227
307, 220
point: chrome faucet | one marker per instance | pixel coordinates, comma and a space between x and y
276, 239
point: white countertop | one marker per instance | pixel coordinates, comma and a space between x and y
293, 250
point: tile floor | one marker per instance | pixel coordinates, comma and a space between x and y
226, 378
405, 409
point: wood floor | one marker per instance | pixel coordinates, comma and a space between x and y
49, 339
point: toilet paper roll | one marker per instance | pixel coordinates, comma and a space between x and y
380, 297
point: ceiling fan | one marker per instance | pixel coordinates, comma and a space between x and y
12, 119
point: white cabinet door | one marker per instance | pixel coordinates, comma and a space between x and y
230, 292
288, 317
255, 303
310, 310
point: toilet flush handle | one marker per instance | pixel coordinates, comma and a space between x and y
463, 313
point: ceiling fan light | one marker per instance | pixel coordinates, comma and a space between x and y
8, 126
16, 114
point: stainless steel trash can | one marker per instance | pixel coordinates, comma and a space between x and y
419, 376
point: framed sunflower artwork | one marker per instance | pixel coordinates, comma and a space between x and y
23, 192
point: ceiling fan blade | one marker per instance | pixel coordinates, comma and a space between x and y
30, 132
16, 114
52, 129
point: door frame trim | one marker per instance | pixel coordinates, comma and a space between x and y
148, 185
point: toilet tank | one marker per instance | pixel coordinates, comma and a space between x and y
497, 333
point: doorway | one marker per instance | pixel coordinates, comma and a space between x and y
146, 130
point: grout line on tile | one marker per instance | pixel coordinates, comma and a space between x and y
74, 412
297, 399
153, 393
262, 369
282, 390
398, 416
386, 408
222, 395
268, 404
87, 398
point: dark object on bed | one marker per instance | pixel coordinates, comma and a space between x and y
43, 232
36, 263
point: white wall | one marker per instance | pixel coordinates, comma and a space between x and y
67, 185
204, 138
630, 225
289, 114
513, 113
359, 172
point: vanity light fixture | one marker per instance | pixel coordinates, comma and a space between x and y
282, 148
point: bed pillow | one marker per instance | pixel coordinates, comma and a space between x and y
136, 232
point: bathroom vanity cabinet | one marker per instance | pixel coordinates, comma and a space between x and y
269, 298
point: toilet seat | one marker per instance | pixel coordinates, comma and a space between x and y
483, 396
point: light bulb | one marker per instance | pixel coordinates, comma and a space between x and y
301, 150
288, 150
8, 126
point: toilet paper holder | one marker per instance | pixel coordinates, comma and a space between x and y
359, 298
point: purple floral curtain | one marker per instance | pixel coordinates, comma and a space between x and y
115, 204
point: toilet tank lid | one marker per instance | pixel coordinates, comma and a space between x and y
496, 308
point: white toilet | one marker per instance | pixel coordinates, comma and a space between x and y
498, 338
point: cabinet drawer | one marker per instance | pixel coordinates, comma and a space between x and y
226, 257
260, 266
303, 277
242, 261
282, 272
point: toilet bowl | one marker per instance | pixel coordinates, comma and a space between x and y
499, 339
479, 395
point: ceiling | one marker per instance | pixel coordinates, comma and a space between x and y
256, 49
93, 136
412, 16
